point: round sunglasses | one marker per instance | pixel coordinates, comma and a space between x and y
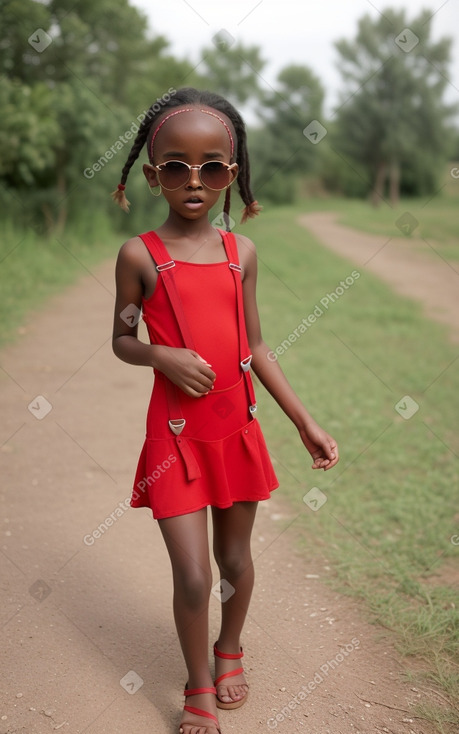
215, 175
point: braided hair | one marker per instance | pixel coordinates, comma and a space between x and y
191, 96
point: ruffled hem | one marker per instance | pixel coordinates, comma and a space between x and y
179, 475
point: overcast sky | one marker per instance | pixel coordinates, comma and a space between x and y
290, 31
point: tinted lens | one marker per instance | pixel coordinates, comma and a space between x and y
215, 175
173, 174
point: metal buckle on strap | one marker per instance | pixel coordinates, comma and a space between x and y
234, 266
177, 425
245, 363
165, 266
253, 408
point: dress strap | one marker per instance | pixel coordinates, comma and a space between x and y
156, 248
229, 240
164, 266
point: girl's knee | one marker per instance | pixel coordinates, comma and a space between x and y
233, 563
193, 587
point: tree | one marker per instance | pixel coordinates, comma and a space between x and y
281, 152
392, 120
67, 92
231, 70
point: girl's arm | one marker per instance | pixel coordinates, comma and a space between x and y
184, 367
321, 445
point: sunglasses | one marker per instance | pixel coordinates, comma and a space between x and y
214, 175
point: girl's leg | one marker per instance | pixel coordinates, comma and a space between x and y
232, 533
188, 547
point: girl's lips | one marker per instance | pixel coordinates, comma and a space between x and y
193, 204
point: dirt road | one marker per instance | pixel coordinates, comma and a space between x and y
89, 643
411, 266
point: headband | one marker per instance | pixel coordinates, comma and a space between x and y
191, 109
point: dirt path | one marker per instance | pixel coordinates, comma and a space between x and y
82, 613
410, 266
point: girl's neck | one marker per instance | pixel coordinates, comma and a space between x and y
176, 227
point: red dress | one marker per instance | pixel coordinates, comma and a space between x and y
208, 450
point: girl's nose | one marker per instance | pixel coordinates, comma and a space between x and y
195, 181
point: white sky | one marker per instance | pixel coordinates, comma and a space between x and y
290, 31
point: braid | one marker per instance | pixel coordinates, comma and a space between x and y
252, 207
191, 96
118, 195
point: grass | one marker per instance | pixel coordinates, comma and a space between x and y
388, 518
32, 268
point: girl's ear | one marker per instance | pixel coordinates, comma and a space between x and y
150, 174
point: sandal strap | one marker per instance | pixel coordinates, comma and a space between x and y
231, 674
201, 712
226, 656
196, 691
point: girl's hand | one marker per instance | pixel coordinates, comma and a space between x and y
185, 368
322, 447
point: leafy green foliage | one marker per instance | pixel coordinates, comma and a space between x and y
280, 150
27, 131
65, 104
392, 121
232, 71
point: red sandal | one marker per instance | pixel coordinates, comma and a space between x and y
199, 712
231, 674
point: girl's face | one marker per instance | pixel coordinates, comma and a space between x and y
193, 137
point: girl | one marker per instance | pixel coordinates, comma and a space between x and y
195, 285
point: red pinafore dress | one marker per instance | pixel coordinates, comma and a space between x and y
208, 450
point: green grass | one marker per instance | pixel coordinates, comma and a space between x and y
32, 268
387, 523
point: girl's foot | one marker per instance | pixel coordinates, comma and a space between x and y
199, 713
232, 688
